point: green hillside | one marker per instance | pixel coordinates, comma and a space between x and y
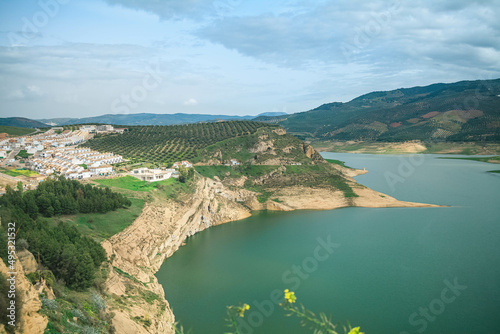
15, 131
267, 146
21, 122
167, 144
462, 111
268, 160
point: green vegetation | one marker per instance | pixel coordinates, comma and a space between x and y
14, 131
18, 172
185, 174
23, 154
63, 197
101, 226
167, 144
127, 275
267, 146
494, 171
77, 312
318, 175
37, 276
337, 162
234, 171
63, 250
318, 324
169, 186
439, 112
131, 183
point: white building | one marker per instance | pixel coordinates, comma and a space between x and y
87, 128
151, 175
103, 170
104, 128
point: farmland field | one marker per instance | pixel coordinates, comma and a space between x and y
167, 144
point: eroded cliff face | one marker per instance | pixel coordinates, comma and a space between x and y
135, 254
28, 317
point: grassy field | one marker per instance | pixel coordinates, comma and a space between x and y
23, 154
170, 188
18, 172
15, 131
131, 183
102, 226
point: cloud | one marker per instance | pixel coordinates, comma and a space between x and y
30, 92
462, 33
172, 9
190, 102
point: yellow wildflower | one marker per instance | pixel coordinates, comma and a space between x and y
355, 330
290, 296
241, 310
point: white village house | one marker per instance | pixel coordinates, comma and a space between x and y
152, 175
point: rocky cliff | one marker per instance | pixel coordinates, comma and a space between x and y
28, 318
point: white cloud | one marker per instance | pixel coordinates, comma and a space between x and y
30, 92
375, 32
190, 102
168, 9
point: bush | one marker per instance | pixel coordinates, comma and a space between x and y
98, 301
22, 244
78, 314
51, 304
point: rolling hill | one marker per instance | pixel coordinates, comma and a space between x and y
21, 122
152, 119
15, 131
169, 143
462, 111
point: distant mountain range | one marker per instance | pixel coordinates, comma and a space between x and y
462, 111
21, 122
152, 119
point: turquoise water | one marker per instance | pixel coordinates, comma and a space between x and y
386, 270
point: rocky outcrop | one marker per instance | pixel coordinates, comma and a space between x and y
311, 153
28, 261
30, 320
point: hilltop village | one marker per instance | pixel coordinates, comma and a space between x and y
55, 152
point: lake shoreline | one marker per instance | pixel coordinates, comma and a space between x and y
137, 253
409, 147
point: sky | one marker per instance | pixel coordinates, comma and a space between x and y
81, 58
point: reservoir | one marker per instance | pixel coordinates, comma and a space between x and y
387, 270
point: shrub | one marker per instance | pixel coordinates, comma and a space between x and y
22, 244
